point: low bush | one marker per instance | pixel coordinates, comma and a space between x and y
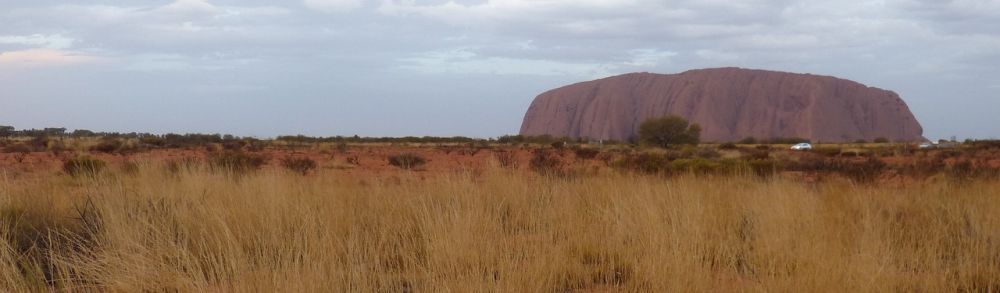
828, 151
707, 153
506, 159
17, 148
859, 171
299, 165
545, 161
649, 163
107, 146
83, 166
585, 153
407, 161
727, 146
237, 162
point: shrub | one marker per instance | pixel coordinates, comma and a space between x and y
648, 163
17, 148
299, 165
727, 146
748, 140
828, 152
707, 153
545, 161
585, 153
759, 153
152, 141
860, 172
107, 146
669, 131
83, 166
506, 159
233, 145
881, 140
237, 162
407, 161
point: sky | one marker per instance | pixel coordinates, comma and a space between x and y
460, 67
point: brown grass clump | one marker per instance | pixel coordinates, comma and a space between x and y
506, 159
502, 231
83, 166
299, 165
237, 161
407, 161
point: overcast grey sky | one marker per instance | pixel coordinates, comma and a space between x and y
461, 67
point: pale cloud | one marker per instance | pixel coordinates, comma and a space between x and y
464, 61
649, 57
333, 5
55, 41
43, 58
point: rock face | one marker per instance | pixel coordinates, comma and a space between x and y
729, 103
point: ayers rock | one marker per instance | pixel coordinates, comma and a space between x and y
729, 103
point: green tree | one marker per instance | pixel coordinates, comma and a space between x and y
668, 131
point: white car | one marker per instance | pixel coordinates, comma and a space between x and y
802, 147
927, 145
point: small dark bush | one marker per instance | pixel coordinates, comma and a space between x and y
707, 153
407, 161
354, 160
828, 152
758, 153
237, 162
727, 146
748, 140
17, 148
342, 147
545, 162
107, 146
860, 172
152, 141
83, 166
648, 163
233, 145
585, 153
881, 140
506, 159
299, 165
559, 145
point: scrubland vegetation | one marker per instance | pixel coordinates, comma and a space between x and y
133, 214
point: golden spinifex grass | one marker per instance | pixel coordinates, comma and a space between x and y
199, 229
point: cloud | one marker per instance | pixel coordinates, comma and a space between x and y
333, 5
38, 40
464, 61
44, 57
